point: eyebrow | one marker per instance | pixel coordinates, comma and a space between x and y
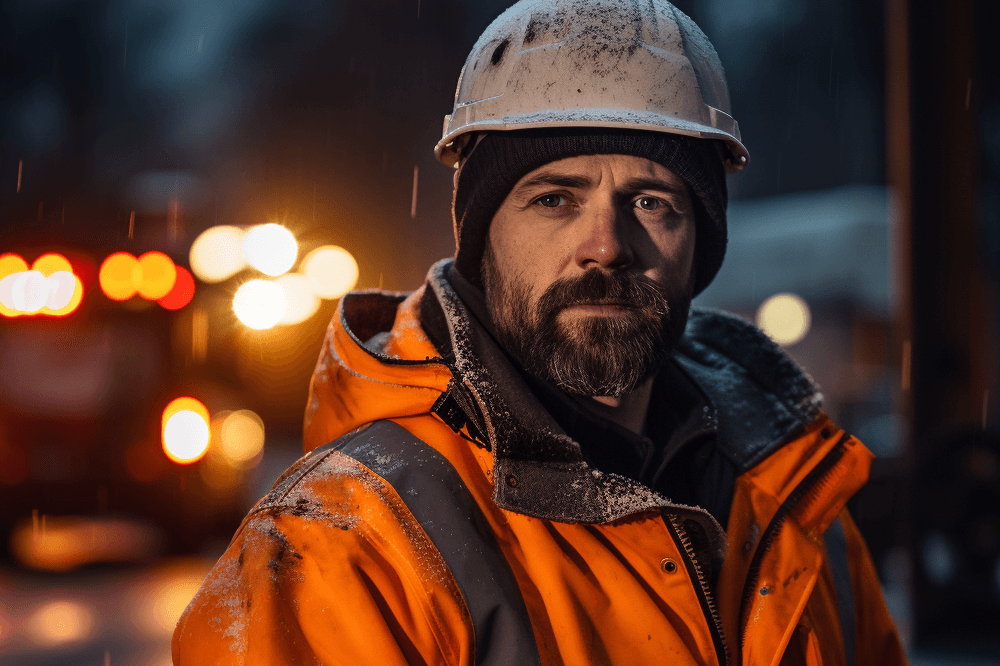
630, 185
634, 184
558, 180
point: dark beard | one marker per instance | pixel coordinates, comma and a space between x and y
592, 356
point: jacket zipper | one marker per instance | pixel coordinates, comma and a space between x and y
811, 481
705, 597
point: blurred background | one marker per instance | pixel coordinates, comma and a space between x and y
187, 188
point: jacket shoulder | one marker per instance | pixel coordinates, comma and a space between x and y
321, 478
334, 567
762, 397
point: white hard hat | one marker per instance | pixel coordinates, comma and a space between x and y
592, 63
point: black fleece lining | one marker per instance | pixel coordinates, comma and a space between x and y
677, 457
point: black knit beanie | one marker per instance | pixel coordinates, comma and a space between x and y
500, 159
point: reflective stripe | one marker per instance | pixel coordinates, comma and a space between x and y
836, 555
437, 497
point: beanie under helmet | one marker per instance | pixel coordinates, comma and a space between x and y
500, 159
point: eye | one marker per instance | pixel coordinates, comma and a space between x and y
550, 200
649, 203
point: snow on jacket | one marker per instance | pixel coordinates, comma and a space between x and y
442, 517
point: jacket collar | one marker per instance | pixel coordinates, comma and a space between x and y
761, 399
540, 471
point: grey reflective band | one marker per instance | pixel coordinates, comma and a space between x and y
836, 555
437, 497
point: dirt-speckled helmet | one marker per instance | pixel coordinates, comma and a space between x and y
593, 63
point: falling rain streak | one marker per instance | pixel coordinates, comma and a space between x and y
413, 201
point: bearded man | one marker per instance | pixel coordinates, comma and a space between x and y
545, 455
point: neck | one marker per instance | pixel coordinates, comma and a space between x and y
628, 411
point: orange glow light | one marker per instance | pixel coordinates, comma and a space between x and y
158, 598
61, 621
120, 276
47, 264
184, 430
50, 282
158, 275
182, 293
10, 264
70, 542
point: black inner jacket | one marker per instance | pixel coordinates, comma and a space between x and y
677, 456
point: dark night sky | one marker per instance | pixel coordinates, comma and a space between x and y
318, 116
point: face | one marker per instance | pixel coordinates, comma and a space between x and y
588, 271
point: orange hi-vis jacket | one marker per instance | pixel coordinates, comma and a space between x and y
440, 517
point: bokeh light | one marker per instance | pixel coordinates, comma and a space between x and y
120, 276
29, 291
157, 599
271, 249
70, 542
259, 304
60, 621
71, 305
158, 275
217, 253
10, 264
36, 292
182, 291
300, 301
242, 436
160, 605
50, 263
185, 430
217, 470
331, 269
785, 318
62, 286
21, 290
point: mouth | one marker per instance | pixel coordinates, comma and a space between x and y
603, 308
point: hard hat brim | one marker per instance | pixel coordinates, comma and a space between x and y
458, 130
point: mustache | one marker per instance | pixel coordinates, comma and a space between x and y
596, 287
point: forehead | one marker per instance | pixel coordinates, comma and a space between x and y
590, 170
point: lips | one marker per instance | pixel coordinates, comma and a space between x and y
601, 304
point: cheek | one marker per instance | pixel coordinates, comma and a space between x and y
527, 252
674, 256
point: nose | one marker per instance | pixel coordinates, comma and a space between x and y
603, 242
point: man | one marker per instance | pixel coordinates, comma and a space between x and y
544, 455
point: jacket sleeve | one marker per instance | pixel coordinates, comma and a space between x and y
876, 639
307, 589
